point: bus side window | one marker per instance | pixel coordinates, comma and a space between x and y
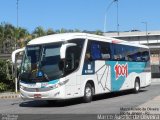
95, 51
98, 51
128, 53
105, 51
145, 56
118, 52
131, 53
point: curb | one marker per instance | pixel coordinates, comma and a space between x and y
10, 96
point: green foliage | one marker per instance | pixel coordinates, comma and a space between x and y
39, 31
50, 31
6, 82
3, 87
98, 32
11, 35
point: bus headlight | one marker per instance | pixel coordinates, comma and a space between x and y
63, 82
59, 84
54, 86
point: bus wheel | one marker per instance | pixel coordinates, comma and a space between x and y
136, 86
88, 93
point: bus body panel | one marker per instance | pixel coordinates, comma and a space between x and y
107, 75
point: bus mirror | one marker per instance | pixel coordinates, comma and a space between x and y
64, 48
14, 53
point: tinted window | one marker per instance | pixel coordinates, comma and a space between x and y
118, 52
73, 55
98, 50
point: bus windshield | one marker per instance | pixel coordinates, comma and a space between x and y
41, 63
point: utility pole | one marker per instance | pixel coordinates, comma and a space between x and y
117, 17
17, 12
146, 25
17, 24
117, 5
105, 16
16, 39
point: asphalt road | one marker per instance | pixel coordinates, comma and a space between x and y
101, 104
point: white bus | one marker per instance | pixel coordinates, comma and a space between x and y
72, 65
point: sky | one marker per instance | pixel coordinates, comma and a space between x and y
82, 14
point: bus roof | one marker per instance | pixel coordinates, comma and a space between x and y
68, 36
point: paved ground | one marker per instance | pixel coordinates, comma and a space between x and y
74, 109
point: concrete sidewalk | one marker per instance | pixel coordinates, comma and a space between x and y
9, 95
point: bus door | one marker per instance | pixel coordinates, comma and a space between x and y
71, 65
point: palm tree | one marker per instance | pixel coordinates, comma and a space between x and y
99, 32
63, 30
50, 31
9, 38
39, 31
23, 36
77, 30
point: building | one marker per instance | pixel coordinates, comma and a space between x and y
150, 38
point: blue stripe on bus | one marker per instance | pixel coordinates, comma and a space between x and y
53, 81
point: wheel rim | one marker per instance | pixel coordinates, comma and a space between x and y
137, 86
88, 92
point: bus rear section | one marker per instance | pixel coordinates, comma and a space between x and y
116, 66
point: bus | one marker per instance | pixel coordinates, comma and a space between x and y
72, 65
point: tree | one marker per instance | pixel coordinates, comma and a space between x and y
77, 30
23, 36
9, 38
63, 30
38, 32
99, 32
1, 36
50, 31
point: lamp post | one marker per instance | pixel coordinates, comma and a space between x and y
105, 17
146, 25
117, 17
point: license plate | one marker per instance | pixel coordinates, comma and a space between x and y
37, 95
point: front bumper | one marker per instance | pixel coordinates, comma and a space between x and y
37, 94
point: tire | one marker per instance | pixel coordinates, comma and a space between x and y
136, 86
88, 93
